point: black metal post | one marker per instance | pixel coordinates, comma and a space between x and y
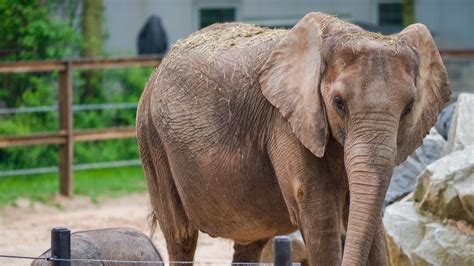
61, 246
282, 251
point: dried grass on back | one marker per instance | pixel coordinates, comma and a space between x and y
219, 37
211, 41
346, 34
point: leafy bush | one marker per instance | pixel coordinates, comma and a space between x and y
31, 31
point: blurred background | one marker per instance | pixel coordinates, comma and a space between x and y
107, 98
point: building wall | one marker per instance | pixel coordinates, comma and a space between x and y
124, 18
448, 19
451, 22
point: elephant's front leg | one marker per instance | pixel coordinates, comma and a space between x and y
312, 198
318, 218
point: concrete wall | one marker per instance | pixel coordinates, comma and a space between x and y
124, 18
461, 75
450, 21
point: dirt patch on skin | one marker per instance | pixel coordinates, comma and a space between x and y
25, 230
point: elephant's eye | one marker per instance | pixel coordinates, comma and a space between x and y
339, 104
408, 108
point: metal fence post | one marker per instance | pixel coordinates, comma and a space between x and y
66, 150
60, 246
282, 251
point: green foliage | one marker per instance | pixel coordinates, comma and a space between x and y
29, 32
105, 151
122, 86
92, 183
33, 30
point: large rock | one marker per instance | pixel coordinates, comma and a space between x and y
413, 239
446, 187
445, 119
461, 132
405, 175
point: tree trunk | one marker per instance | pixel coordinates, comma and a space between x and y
408, 12
92, 35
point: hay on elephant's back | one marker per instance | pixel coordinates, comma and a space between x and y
219, 37
348, 34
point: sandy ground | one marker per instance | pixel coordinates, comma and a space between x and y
25, 230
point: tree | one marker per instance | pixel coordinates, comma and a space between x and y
30, 32
408, 12
92, 35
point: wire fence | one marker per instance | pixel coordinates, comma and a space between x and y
75, 107
128, 262
61, 243
54, 169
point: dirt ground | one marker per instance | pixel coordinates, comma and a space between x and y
25, 230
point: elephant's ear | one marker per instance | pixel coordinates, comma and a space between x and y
290, 81
432, 89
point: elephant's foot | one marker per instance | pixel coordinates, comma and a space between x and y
182, 250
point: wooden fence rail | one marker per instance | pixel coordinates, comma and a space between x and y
66, 136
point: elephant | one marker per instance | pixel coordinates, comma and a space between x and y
247, 133
125, 244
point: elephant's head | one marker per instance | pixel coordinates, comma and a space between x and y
376, 95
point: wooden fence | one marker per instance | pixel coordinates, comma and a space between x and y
66, 136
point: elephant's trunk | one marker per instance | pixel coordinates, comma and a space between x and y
369, 158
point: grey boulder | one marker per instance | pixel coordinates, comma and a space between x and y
446, 187
461, 132
405, 175
414, 239
444, 120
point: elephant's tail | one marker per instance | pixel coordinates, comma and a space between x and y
152, 223
149, 169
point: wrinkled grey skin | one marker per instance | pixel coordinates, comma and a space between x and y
109, 244
247, 133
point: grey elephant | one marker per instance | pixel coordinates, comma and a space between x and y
247, 133
124, 244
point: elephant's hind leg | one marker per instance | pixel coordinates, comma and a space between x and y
181, 237
250, 252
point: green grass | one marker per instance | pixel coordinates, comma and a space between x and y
110, 182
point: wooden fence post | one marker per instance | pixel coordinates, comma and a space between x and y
66, 150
